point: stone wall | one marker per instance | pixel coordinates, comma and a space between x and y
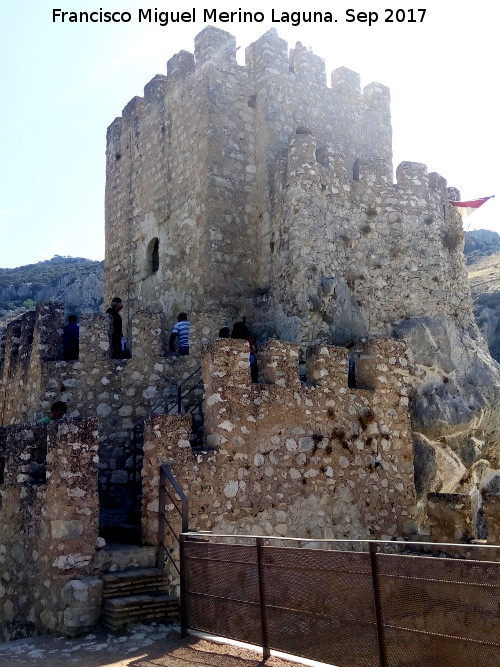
117, 392
266, 194
355, 255
271, 196
49, 515
316, 460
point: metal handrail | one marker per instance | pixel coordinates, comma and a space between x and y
166, 476
166, 398
436, 546
140, 423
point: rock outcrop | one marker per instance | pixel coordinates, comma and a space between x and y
484, 277
74, 281
480, 243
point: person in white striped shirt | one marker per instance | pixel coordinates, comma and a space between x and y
181, 330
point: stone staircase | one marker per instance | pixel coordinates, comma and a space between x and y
135, 591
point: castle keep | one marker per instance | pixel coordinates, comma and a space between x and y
254, 192
258, 191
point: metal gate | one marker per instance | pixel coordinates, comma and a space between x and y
346, 603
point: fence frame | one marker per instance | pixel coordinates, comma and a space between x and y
474, 553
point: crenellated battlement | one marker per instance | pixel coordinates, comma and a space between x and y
290, 457
117, 392
380, 364
36, 337
265, 59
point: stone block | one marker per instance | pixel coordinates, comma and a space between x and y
66, 530
450, 517
78, 620
86, 592
268, 55
226, 361
345, 82
327, 365
279, 364
216, 45
372, 172
180, 65
491, 508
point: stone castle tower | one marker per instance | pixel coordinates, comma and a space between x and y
254, 192
258, 191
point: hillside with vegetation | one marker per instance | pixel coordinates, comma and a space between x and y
482, 254
75, 281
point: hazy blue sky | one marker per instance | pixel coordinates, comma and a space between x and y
63, 84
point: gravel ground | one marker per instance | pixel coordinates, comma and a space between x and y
138, 646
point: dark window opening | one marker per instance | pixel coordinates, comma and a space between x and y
155, 257
152, 257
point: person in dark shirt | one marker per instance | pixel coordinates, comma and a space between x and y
71, 339
57, 411
117, 329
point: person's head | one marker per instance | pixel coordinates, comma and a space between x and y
117, 303
58, 410
224, 332
72, 319
182, 317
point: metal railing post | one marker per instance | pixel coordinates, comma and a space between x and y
259, 543
378, 605
135, 492
182, 586
162, 497
185, 514
179, 399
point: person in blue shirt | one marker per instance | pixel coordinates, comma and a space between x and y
181, 330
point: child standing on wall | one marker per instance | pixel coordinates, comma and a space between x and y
181, 330
242, 332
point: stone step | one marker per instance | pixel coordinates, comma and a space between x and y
121, 534
120, 611
119, 557
130, 582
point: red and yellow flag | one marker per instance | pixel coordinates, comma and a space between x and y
468, 207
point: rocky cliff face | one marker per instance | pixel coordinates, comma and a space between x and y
75, 281
480, 243
455, 401
482, 254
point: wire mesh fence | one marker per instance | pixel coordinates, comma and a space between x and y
347, 603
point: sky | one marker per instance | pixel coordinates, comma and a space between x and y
62, 84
